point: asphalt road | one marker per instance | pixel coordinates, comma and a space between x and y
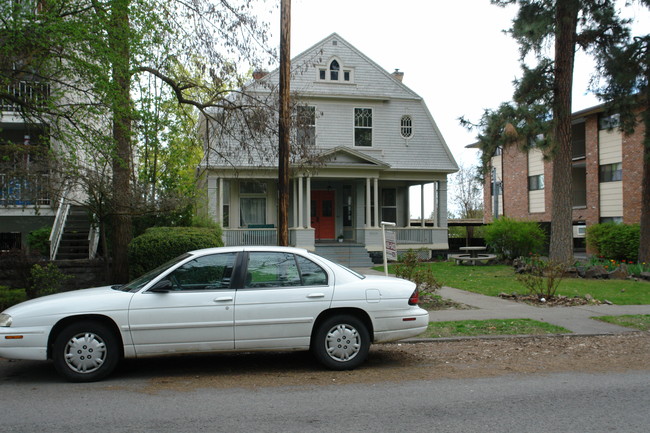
559, 402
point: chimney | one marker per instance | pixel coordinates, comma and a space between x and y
399, 76
258, 74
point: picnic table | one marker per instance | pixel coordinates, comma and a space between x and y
473, 255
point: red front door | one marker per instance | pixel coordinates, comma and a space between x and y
322, 214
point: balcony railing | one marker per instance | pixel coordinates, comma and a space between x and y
31, 190
31, 93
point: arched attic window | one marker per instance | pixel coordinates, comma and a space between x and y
334, 70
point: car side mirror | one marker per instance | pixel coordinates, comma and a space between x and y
162, 286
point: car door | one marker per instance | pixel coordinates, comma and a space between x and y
194, 313
282, 295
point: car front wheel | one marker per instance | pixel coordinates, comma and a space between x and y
341, 343
85, 352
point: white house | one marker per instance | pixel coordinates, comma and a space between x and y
375, 138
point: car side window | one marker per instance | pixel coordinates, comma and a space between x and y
271, 269
211, 272
311, 273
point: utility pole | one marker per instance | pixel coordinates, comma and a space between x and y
285, 122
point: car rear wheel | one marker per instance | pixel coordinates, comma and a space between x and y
341, 343
85, 352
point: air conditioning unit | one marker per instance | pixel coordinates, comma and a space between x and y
579, 231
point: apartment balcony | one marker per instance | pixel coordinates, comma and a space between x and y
30, 93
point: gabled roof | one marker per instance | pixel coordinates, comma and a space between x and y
346, 157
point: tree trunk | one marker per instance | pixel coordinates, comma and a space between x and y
644, 241
121, 111
284, 127
566, 18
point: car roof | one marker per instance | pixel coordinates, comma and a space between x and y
248, 248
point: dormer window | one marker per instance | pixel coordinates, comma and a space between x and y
336, 73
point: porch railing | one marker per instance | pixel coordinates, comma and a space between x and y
58, 226
28, 190
250, 237
409, 235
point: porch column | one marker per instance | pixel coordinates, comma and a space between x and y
436, 204
220, 201
442, 203
296, 223
368, 207
422, 205
377, 202
300, 203
308, 199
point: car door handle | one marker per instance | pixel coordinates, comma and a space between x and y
315, 295
223, 299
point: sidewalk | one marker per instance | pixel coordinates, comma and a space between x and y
575, 319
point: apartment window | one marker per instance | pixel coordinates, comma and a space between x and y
306, 125
608, 121
363, 127
10, 241
535, 183
389, 205
252, 203
406, 126
499, 188
618, 220
611, 172
498, 151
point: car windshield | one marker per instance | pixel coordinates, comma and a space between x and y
143, 280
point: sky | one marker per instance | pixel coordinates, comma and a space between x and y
453, 53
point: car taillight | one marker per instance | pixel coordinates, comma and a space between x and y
415, 297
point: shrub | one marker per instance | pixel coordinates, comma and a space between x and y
541, 277
45, 280
157, 245
509, 238
39, 241
411, 268
9, 297
615, 241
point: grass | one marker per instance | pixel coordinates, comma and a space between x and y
494, 279
469, 328
636, 321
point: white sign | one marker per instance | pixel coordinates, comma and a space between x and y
391, 245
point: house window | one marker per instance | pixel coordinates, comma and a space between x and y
406, 126
322, 74
363, 127
611, 172
306, 125
389, 205
535, 183
346, 75
334, 70
9, 241
226, 204
252, 203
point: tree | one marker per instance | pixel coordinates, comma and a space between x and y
468, 191
92, 53
625, 69
540, 114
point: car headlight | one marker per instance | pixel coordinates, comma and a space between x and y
5, 320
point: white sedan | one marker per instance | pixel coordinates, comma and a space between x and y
218, 299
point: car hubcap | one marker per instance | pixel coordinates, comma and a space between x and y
85, 352
343, 342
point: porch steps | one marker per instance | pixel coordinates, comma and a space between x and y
74, 240
347, 254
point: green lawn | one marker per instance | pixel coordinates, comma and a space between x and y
494, 279
636, 321
468, 328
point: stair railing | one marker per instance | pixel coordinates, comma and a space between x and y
59, 224
93, 240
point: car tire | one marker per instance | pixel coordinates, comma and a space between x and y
341, 342
85, 351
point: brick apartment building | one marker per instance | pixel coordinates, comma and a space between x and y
607, 174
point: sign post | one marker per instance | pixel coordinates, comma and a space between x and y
390, 244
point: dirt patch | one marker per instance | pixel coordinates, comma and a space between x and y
481, 357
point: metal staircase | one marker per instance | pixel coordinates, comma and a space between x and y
347, 254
